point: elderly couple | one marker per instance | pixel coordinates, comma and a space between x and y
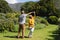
22, 19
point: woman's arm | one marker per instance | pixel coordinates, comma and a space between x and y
28, 13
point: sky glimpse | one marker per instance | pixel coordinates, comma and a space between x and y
17, 1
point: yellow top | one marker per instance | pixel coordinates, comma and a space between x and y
31, 22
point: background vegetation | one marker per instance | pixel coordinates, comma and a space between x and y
46, 14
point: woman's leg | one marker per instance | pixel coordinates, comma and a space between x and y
19, 30
23, 30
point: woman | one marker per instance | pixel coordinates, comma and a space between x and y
22, 19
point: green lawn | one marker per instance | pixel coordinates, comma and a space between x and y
39, 34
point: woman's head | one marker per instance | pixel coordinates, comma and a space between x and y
22, 11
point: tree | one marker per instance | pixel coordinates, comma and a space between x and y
47, 7
42, 7
4, 8
28, 6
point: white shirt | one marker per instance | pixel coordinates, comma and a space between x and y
22, 18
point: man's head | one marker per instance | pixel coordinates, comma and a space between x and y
30, 16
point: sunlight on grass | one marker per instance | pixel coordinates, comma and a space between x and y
40, 34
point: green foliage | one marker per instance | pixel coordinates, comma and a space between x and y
6, 25
44, 21
59, 19
13, 16
42, 7
41, 20
58, 12
4, 8
59, 23
29, 6
47, 6
7, 21
53, 19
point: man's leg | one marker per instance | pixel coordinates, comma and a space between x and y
31, 31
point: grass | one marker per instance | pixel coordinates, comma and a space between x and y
39, 34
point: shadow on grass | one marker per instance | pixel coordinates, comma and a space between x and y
15, 36
56, 35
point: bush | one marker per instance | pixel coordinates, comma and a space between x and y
59, 21
13, 16
6, 25
53, 19
6, 22
44, 21
41, 20
15, 20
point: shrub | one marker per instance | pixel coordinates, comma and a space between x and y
53, 19
15, 20
17, 15
42, 20
59, 21
6, 25
13, 16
